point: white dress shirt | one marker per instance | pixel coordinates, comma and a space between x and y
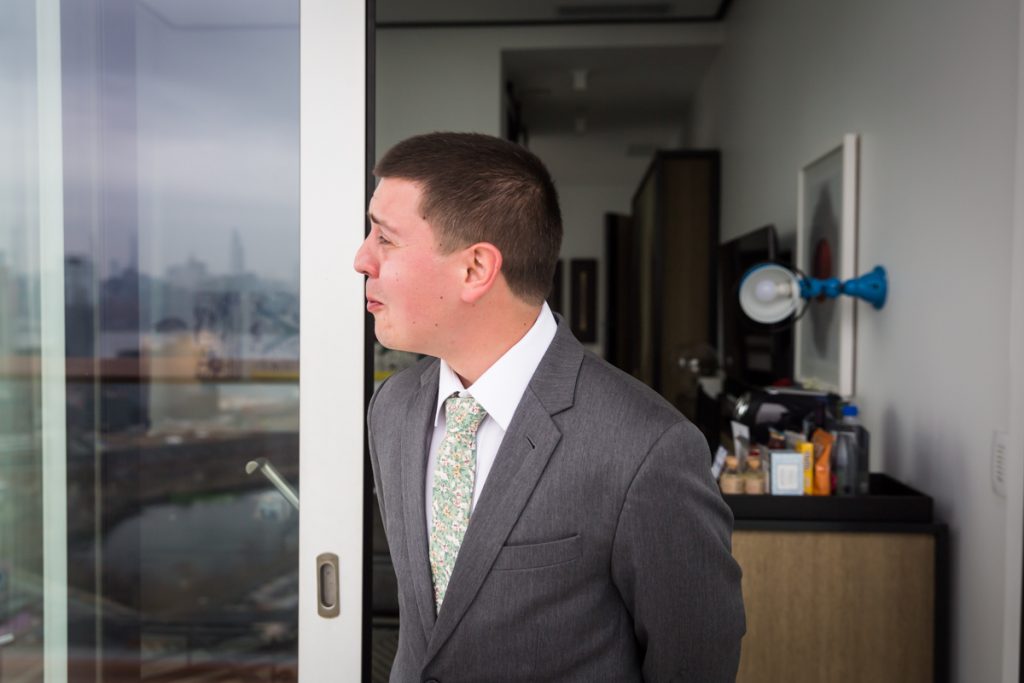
499, 391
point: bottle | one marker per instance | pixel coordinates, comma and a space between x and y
754, 481
852, 441
851, 416
753, 459
731, 482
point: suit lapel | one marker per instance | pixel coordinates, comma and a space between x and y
524, 453
415, 444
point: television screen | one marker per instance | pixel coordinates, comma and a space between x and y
752, 353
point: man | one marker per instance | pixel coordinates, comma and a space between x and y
549, 517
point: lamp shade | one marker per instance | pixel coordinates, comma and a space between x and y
769, 293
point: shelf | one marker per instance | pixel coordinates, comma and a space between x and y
888, 501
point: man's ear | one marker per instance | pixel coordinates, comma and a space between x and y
482, 266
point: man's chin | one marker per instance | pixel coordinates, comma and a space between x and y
386, 338
399, 339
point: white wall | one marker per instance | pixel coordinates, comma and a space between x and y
594, 177
932, 89
1015, 460
450, 79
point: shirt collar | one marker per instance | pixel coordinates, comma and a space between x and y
501, 387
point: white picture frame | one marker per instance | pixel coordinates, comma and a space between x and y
824, 338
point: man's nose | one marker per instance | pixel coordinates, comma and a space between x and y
365, 262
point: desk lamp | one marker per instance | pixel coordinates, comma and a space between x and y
770, 293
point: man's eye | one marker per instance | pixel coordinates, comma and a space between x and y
381, 239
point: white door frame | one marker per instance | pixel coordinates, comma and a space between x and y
1015, 460
332, 376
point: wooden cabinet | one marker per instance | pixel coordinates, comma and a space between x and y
675, 240
843, 602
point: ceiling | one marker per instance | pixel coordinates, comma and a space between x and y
545, 11
624, 87
276, 13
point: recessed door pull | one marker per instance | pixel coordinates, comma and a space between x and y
327, 585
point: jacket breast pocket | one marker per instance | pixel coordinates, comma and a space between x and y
537, 555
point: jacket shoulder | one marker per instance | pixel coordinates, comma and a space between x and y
603, 385
615, 413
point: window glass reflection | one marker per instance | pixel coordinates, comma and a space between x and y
21, 552
180, 125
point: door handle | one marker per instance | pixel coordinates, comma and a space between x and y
327, 585
6, 639
271, 473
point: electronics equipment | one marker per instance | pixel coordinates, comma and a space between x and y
753, 354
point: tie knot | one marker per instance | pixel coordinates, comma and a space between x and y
463, 415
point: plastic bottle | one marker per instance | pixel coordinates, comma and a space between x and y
851, 454
851, 416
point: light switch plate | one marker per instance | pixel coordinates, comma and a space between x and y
1000, 450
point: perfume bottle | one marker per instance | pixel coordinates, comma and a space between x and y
754, 480
731, 481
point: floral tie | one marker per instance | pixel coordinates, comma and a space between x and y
454, 476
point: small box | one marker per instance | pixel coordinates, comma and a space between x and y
787, 473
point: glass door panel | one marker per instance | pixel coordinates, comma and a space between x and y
150, 331
181, 137
180, 266
26, 468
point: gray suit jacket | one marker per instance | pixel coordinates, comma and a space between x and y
599, 549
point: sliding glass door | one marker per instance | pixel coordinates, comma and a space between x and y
162, 273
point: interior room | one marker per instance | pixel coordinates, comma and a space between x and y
932, 95
800, 223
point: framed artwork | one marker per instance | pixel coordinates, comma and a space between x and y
583, 290
826, 246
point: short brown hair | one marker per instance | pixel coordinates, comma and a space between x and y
478, 188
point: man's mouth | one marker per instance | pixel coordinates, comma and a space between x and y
373, 305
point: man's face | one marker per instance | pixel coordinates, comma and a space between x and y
411, 288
